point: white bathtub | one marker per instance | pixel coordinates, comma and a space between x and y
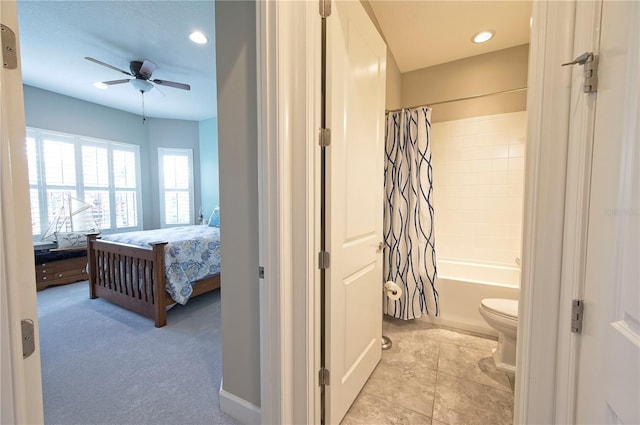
461, 286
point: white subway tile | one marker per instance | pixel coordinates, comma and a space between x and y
516, 150
515, 177
500, 151
499, 190
500, 164
481, 165
516, 164
499, 177
515, 190
457, 128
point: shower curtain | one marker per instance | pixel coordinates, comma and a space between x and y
409, 252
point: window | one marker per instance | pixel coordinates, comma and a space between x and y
176, 186
102, 173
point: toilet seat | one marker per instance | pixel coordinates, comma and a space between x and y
507, 309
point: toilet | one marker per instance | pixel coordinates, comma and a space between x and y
502, 315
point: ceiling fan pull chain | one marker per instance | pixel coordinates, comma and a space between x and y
144, 118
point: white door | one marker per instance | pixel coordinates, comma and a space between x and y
609, 354
21, 381
356, 70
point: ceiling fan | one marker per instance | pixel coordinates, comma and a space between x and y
141, 71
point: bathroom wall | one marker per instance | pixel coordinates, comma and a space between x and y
488, 73
478, 173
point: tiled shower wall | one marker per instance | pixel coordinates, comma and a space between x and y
478, 174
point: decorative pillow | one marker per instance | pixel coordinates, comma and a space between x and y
71, 239
214, 219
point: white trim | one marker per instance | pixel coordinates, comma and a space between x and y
239, 408
288, 116
271, 345
546, 164
574, 253
21, 379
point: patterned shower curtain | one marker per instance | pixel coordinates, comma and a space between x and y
409, 253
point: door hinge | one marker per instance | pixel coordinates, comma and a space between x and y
325, 137
325, 8
577, 314
323, 260
323, 376
28, 341
9, 54
260, 272
590, 62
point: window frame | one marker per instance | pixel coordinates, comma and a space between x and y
162, 152
39, 135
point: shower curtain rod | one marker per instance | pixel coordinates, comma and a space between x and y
460, 99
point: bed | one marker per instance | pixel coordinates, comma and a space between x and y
147, 271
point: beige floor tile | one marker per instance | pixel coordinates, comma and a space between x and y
369, 410
461, 338
392, 326
462, 402
434, 422
412, 350
409, 388
471, 364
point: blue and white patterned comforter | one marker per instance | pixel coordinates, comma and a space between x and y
192, 253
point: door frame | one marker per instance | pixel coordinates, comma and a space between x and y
21, 382
288, 109
288, 72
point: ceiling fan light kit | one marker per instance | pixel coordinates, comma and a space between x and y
141, 85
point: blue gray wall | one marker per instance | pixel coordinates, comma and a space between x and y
52, 111
209, 176
238, 148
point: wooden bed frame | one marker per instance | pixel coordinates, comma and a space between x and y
134, 277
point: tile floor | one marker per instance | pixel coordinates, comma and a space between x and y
433, 375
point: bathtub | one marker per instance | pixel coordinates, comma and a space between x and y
462, 285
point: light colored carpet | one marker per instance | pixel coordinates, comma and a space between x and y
102, 364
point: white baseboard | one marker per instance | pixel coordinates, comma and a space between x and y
238, 408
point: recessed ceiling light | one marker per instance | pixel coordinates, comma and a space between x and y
198, 37
101, 86
483, 36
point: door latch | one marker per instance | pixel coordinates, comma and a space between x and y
590, 62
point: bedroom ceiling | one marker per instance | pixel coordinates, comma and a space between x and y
55, 37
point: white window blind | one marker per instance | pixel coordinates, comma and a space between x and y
102, 173
176, 186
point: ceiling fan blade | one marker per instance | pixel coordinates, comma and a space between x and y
147, 68
107, 65
172, 84
114, 82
